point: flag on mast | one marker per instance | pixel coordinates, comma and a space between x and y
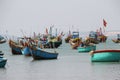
104, 23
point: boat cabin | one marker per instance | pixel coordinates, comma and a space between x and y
93, 35
75, 35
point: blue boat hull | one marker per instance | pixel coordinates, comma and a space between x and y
86, 49
26, 51
15, 48
40, 54
3, 62
16, 51
106, 56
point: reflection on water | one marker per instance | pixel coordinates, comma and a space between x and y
70, 65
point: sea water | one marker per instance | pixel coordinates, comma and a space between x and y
70, 65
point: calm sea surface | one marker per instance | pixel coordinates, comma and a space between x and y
70, 65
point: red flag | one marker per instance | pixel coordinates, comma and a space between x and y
104, 23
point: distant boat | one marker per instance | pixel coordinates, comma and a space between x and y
67, 39
37, 54
53, 44
86, 48
15, 47
75, 43
105, 56
3, 60
94, 37
102, 38
2, 39
117, 40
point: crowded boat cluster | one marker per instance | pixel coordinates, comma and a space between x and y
34, 46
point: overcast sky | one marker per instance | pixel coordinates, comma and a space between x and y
36, 15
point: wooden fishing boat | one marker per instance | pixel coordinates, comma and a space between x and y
86, 48
67, 39
3, 60
105, 55
116, 40
102, 38
26, 51
94, 37
37, 54
53, 44
15, 47
75, 43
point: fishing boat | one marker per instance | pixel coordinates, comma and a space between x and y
37, 54
105, 55
75, 43
97, 37
15, 47
3, 60
26, 51
53, 43
2, 39
86, 48
93, 37
117, 40
102, 38
67, 39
